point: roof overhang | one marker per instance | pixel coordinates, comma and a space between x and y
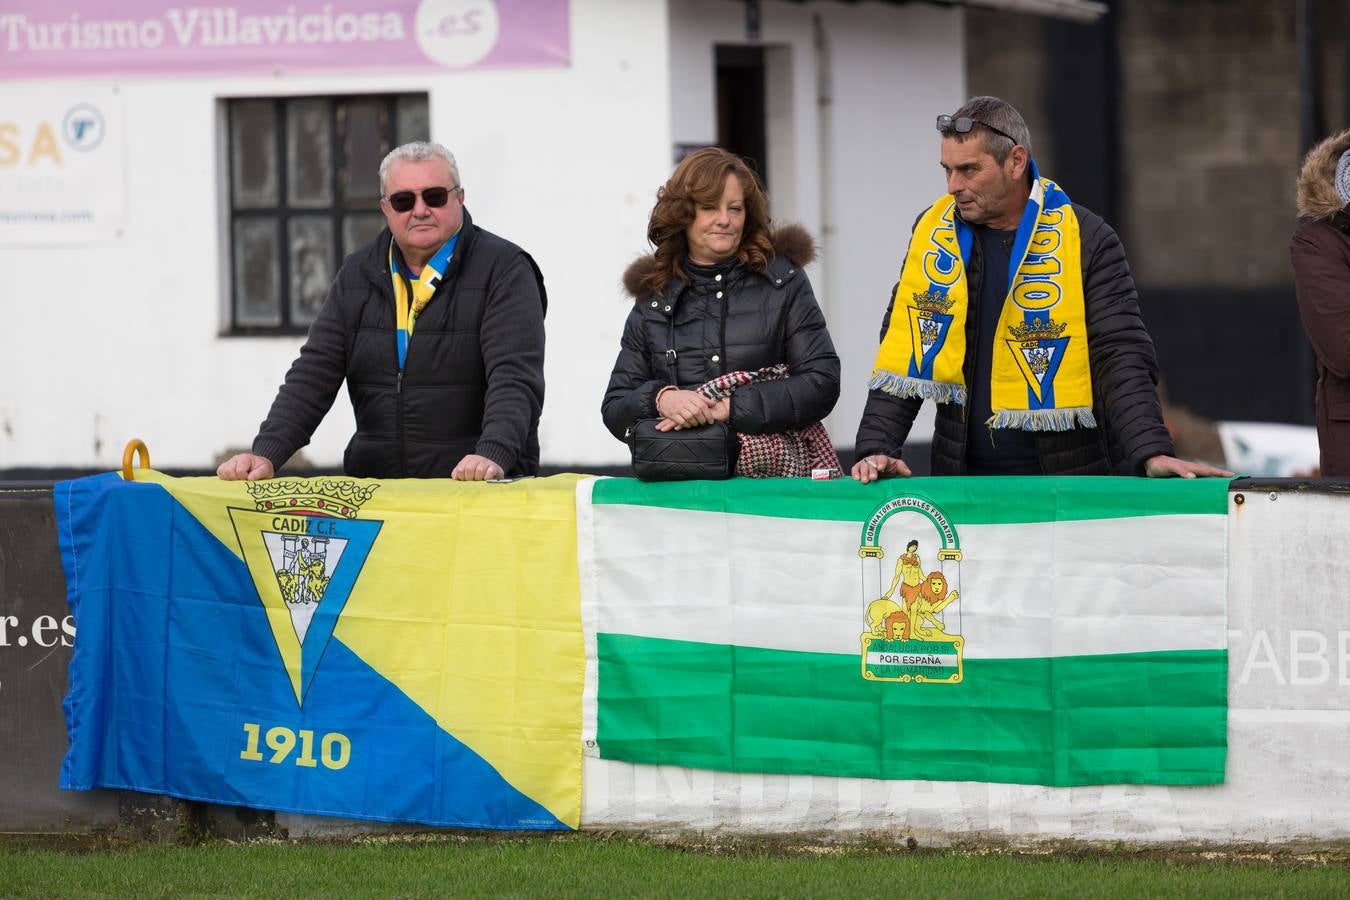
1084, 11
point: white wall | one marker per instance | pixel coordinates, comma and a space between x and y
894, 70
863, 165
104, 343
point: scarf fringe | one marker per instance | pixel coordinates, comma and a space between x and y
1044, 419
904, 386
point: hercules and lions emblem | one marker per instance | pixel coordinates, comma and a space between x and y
913, 626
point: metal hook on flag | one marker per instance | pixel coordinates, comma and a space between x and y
134, 446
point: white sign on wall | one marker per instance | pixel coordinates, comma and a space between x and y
62, 166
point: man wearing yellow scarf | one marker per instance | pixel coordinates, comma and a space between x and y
437, 328
1016, 313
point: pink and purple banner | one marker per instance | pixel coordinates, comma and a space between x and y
70, 38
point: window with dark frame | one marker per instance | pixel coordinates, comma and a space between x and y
304, 192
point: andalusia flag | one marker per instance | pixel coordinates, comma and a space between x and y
1054, 631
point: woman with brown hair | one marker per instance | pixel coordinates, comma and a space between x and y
725, 327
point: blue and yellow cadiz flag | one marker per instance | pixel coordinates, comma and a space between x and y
405, 651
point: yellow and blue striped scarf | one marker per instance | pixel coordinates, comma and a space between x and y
422, 291
1041, 379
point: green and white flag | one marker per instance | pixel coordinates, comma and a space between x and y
1055, 631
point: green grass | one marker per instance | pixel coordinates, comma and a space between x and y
587, 866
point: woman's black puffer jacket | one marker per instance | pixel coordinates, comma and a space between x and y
730, 320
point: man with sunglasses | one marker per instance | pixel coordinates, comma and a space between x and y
1016, 313
437, 326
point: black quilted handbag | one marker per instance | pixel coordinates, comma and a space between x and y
705, 452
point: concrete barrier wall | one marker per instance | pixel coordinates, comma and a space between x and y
36, 635
1289, 717
1288, 775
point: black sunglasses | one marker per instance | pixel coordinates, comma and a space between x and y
434, 197
963, 124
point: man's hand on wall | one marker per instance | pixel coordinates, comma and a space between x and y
476, 468
879, 465
1161, 466
245, 467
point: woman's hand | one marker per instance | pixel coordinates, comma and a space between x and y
683, 409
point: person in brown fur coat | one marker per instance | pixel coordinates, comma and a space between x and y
1320, 253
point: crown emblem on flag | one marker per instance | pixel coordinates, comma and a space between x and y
1038, 329
333, 496
933, 301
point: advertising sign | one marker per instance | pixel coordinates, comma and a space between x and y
80, 38
62, 166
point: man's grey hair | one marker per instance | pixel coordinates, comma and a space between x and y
418, 151
995, 115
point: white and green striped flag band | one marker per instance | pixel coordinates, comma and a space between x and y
1055, 631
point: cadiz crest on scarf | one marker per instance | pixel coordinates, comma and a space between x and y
1040, 379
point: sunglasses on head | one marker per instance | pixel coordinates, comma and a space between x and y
963, 124
434, 197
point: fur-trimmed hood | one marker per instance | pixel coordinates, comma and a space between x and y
1317, 196
792, 242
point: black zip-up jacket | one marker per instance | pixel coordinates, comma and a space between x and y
1124, 369
738, 320
474, 375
